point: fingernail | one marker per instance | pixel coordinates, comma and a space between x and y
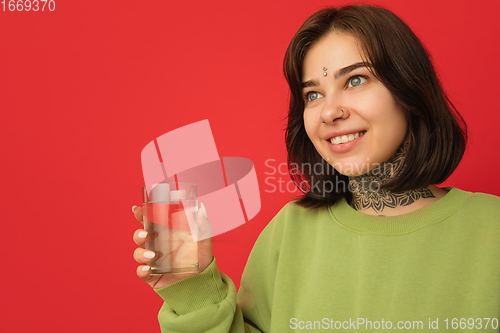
142, 234
145, 268
204, 210
149, 255
133, 208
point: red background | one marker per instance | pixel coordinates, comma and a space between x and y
84, 88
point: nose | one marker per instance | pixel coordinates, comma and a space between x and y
332, 110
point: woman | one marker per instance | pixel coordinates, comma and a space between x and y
373, 243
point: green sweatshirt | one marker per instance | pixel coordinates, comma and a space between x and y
434, 269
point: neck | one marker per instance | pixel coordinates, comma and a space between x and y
369, 198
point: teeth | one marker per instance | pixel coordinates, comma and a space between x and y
346, 138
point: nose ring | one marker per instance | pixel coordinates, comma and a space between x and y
340, 117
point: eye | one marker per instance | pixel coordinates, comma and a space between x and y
312, 95
356, 80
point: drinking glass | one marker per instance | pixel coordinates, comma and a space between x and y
169, 216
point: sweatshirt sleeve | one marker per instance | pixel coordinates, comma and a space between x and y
208, 301
205, 302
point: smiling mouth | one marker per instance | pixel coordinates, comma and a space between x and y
346, 138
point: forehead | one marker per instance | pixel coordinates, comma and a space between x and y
333, 51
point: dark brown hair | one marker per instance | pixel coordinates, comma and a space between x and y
437, 131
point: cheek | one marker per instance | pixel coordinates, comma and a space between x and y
392, 117
397, 133
309, 125
401, 123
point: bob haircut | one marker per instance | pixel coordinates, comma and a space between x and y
437, 132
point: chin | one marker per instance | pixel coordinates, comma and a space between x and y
351, 169
352, 174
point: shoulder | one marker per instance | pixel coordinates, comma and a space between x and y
480, 209
292, 212
486, 198
483, 203
478, 222
290, 219
292, 209
287, 213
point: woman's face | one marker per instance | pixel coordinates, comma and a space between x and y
373, 125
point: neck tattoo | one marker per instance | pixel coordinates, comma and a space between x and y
366, 188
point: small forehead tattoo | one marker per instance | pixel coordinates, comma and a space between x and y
324, 71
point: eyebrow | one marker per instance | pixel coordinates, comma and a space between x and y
341, 72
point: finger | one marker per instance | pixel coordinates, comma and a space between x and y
144, 272
205, 239
137, 213
140, 237
204, 225
143, 256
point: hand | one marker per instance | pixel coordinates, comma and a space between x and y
159, 281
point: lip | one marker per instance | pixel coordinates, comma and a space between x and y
343, 132
345, 147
